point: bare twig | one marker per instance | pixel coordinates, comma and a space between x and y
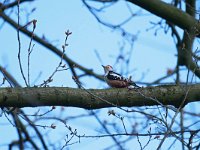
19, 43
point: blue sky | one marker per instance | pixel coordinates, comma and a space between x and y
87, 36
152, 55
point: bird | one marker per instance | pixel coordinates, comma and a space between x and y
116, 80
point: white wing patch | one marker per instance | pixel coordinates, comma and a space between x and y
115, 76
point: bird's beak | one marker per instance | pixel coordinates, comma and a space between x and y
103, 66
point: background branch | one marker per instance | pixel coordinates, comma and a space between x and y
49, 46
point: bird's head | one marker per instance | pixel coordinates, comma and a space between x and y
107, 68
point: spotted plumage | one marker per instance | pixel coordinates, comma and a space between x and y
116, 80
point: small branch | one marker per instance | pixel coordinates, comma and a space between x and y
19, 43
105, 128
30, 49
60, 66
11, 80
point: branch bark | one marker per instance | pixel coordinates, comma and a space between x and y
98, 98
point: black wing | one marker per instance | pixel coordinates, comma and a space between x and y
114, 76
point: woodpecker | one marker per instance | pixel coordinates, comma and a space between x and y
116, 80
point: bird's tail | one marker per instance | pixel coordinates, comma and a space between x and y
133, 83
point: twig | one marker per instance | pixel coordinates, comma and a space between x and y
19, 44
30, 50
60, 65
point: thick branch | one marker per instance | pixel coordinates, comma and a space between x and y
185, 49
170, 13
99, 98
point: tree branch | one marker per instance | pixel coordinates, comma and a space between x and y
170, 13
99, 98
185, 49
13, 4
